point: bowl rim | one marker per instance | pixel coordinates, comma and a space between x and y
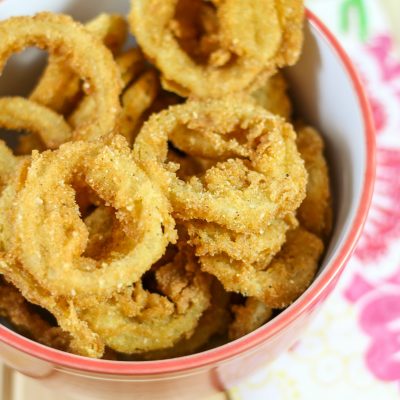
302, 305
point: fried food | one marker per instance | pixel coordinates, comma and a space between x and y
59, 88
15, 308
152, 321
211, 49
282, 281
214, 321
273, 96
47, 203
135, 101
130, 65
185, 165
83, 340
213, 239
243, 194
49, 128
315, 213
146, 225
8, 164
248, 317
60, 35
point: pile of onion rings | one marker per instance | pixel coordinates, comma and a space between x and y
161, 200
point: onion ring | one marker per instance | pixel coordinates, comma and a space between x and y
240, 194
212, 239
248, 317
130, 65
214, 321
273, 96
135, 101
60, 35
15, 308
315, 213
83, 340
59, 88
8, 163
155, 321
21, 114
284, 279
46, 203
100, 225
251, 45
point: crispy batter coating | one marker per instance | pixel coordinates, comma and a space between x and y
186, 166
216, 218
315, 213
15, 308
238, 46
130, 65
243, 194
62, 36
8, 163
59, 88
136, 100
273, 96
213, 239
152, 321
214, 321
48, 127
284, 279
50, 237
248, 317
83, 340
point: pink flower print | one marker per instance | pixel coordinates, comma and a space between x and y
381, 48
380, 319
383, 224
379, 114
358, 288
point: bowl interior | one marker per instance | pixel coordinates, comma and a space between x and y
322, 90
325, 96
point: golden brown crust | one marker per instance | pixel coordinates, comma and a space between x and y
315, 213
243, 46
59, 88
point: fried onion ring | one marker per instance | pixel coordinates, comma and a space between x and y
15, 308
50, 237
60, 35
283, 280
248, 317
83, 340
273, 96
135, 101
20, 114
212, 239
214, 321
152, 321
250, 42
59, 88
130, 65
263, 178
8, 163
315, 213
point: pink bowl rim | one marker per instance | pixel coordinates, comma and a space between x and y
302, 305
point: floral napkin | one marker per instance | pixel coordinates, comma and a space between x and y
352, 350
